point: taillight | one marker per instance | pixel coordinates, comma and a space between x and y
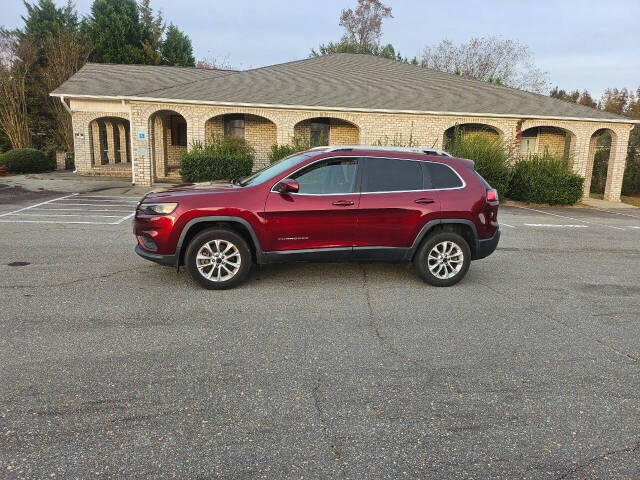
492, 195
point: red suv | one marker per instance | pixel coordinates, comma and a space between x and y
355, 203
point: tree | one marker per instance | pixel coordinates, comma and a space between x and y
213, 63
65, 53
153, 28
362, 32
562, 95
17, 60
116, 33
363, 26
615, 101
586, 100
176, 49
485, 58
43, 18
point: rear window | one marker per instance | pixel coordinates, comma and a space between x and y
484, 182
391, 175
442, 176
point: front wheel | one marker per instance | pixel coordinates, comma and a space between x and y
218, 259
443, 259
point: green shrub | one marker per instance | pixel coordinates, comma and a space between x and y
545, 179
631, 179
490, 154
27, 160
278, 152
220, 158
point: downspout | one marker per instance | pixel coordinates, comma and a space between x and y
133, 168
66, 107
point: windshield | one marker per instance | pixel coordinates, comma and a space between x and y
274, 169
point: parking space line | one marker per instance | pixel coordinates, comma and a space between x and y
570, 218
124, 218
62, 215
555, 225
92, 205
82, 210
38, 204
502, 224
617, 213
54, 221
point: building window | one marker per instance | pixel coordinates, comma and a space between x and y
528, 141
178, 131
319, 132
234, 125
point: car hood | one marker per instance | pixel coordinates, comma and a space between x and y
192, 189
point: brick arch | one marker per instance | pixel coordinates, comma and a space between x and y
345, 117
108, 146
499, 127
342, 131
595, 134
533, 123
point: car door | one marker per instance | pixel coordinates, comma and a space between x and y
396, 202
322, 214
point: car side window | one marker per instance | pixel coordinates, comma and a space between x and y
441, 176
337, 175
392, 175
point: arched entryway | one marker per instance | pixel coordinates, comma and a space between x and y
546, 140
322, 131
168, 141
259, 132
467, 129
601, 144
110, 139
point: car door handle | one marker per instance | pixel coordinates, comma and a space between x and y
343, 203
425, 201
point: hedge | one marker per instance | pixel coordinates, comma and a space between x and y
490, 155
27, 160
298, 144
221, 158
545, 179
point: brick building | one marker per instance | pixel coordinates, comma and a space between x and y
136, 120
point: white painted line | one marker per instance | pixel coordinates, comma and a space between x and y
121, 210
555, 225
570, 218
94, 200
92, 205
37, 205
618, 213
506, 225
633, 226
61, 215
124, 218
106, 196
53, 221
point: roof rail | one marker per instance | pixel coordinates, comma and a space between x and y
385, 148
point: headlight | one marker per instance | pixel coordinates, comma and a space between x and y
157, 208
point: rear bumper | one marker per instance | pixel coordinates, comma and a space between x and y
487, 247
169, 260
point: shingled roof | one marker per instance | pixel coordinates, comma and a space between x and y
341, 81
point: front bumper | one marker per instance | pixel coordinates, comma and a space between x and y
168, 260
487, 247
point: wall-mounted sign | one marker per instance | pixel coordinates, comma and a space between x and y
141, 136
79, 135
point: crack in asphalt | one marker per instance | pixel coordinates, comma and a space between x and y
335, 449
585, 464
78, 280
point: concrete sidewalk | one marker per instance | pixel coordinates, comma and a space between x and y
606, 205
67, 181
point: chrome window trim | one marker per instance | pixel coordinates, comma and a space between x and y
464, 184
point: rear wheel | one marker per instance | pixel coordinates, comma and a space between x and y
218, 259
443, 259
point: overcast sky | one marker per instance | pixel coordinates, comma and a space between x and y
580, 43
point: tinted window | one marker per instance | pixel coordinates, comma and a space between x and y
442, 176
330, 176
392, 175
319, 132
234, 126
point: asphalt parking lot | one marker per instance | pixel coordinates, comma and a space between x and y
113, 367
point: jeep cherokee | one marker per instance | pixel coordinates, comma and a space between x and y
357, 203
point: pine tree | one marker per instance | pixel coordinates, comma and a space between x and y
176, 49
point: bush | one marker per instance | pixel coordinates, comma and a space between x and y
27, 160
631, 179
278, 152
545, 179
221, 158
489, 153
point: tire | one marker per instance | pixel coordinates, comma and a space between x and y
230, 259
449, 256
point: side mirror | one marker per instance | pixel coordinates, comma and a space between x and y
288, 185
